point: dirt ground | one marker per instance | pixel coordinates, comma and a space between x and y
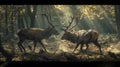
62, 51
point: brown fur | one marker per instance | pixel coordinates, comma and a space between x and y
35, 34
82, 37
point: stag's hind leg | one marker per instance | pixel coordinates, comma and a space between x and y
20, 45
98, 45
35, 43
81, 48
87, 46
43, 46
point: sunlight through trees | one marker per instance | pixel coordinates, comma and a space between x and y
102, 18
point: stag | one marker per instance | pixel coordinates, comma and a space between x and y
81, 37
36, 35
87, 37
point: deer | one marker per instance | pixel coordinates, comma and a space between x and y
36, 35
81, 37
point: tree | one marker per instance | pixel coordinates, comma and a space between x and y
117, 16
31, 12
7, 55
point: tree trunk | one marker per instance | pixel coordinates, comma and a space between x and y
4, 52
32, 14
117, 16
20, 20
6, 20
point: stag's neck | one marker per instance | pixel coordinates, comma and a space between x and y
72, 37
47, 33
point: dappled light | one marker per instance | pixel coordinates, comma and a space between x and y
60, 32
94, 16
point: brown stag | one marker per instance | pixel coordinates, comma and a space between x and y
81, 37
36, 35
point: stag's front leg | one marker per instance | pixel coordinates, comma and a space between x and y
20, 45
43, 46
98, 45
81, 47
75, 47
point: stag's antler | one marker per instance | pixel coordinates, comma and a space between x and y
80, 17
48, 20
70, 23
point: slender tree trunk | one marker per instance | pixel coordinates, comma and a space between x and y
6, 20
32, 14
117, 15
12, 30
20, 21
26, 19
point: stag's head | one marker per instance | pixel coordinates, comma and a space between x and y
67, 29
65, 35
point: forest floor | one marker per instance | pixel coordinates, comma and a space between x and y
62, 51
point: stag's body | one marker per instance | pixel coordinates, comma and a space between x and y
82, 37
35, 34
